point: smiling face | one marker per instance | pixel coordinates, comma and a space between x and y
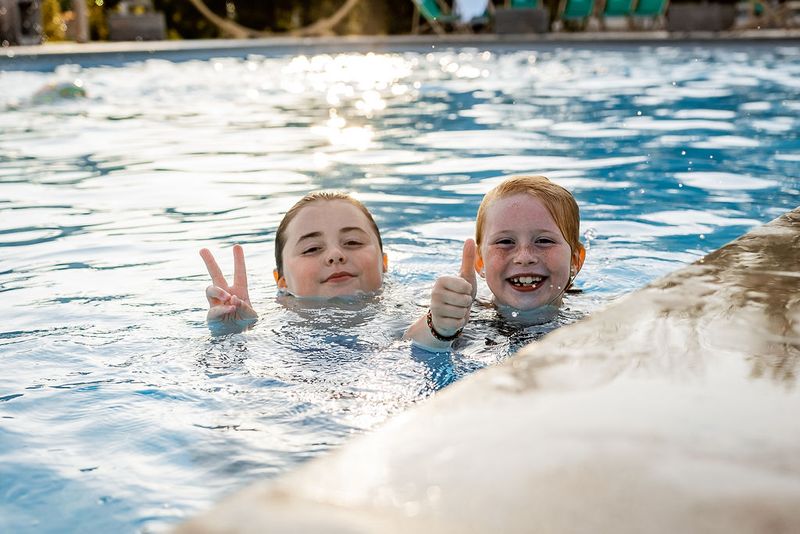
526, 258
331, 250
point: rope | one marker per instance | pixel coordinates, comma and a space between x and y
237, 31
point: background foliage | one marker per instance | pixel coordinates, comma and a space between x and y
184, 21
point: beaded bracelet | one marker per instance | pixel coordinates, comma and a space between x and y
437, 335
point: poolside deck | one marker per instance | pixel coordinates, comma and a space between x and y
50, 55
70, 48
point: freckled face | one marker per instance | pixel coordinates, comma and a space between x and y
331, 251
526, 258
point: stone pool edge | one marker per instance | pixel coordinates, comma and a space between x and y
52, 54
460, 39
408, 476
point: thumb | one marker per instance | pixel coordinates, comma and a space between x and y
467, 271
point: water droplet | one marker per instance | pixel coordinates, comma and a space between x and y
683, 152
514, 314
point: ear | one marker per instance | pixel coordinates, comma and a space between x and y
385, 262
578, 257
479, 264
280, 280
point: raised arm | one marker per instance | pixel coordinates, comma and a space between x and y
451, 301
229, 306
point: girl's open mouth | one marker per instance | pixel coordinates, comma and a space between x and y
526, 282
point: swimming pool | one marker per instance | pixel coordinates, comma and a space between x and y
121, 412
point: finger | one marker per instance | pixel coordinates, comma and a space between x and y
219, 313
449, 312
457, 300
216, 295
454, 284
240, 271
214, 271
467, 271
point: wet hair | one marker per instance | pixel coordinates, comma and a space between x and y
280, 235
559, 203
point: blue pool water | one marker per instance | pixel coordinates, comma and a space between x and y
118, 410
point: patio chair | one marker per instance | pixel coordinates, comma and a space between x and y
575, 13
654, 10
437, 16
615, 9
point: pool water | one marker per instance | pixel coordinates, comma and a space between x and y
121, 412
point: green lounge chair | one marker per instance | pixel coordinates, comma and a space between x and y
653, 9
635, 10
433, 13
616, 9
575, 12
619, 8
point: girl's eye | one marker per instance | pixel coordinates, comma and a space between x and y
504, 241
545, 241
311, 250
353, 243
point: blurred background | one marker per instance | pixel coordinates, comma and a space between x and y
26, 22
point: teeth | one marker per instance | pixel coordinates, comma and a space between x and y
525, 280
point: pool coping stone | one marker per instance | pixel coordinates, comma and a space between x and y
210, 45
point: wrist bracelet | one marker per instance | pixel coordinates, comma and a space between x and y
437, 335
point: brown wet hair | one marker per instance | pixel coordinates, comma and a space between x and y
280, 236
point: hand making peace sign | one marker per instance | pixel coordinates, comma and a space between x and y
228, 303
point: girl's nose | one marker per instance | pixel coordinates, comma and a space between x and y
525, 255
335, 256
